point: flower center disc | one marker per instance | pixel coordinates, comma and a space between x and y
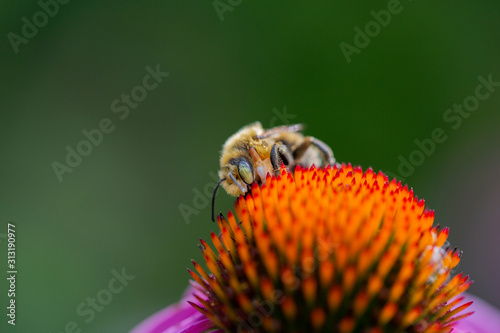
334, 249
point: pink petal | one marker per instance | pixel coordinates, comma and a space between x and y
486, 318
180, 317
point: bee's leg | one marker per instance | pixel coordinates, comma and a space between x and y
325, 150
280, 154
242, 188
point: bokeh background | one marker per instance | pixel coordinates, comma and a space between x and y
276, 62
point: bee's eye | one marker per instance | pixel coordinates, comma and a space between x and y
245, 171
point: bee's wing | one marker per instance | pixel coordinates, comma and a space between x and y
280, 129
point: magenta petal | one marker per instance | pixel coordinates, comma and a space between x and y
200, 326
180, 317
486, 318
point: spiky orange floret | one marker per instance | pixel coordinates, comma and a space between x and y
330, 250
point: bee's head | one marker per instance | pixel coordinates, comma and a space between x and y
239, 175
236, 178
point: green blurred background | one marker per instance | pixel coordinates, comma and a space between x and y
276, 62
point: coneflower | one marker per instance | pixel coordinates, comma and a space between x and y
333, 249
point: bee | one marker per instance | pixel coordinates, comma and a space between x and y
251, 153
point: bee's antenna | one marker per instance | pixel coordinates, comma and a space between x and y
213, 198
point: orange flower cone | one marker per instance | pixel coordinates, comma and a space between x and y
330, 250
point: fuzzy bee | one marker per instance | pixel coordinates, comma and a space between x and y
251, 153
